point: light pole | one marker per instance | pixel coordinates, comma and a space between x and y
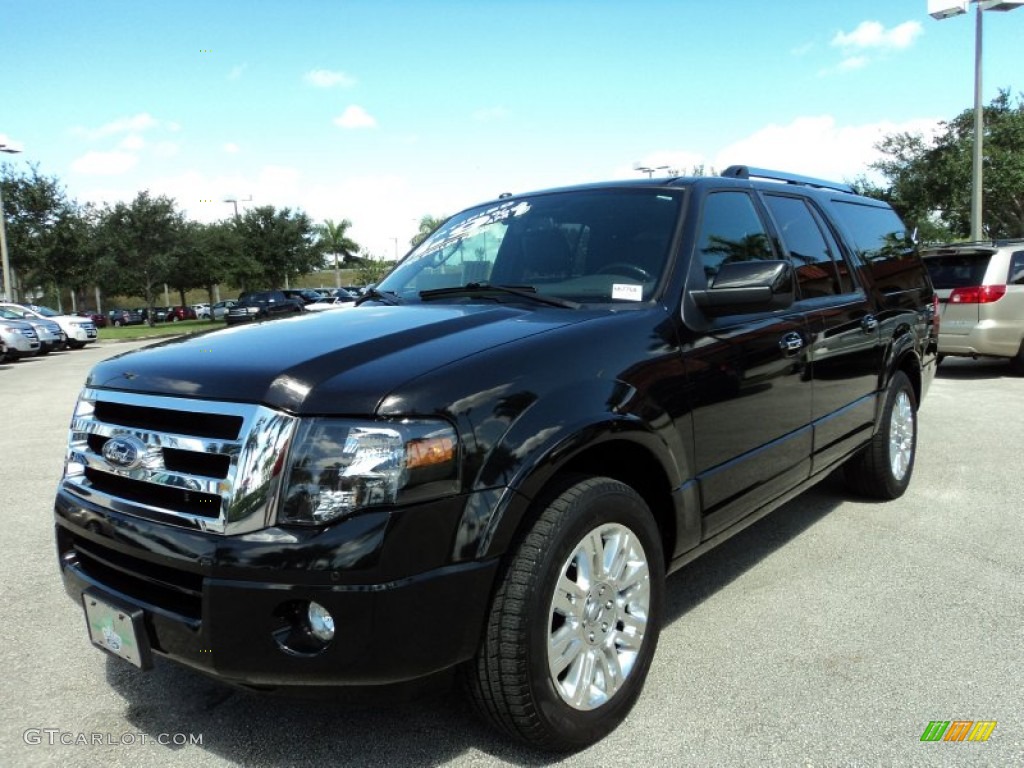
648, 170
8, 292
236, 200
943, 9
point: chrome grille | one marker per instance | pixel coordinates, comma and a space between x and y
212, 466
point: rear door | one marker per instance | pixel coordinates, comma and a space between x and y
844, 348
749, 379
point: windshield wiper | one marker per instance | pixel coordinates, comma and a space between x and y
383, 297
521, 291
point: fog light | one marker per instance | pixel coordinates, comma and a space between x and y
321, 623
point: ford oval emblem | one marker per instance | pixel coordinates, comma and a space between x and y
124, 451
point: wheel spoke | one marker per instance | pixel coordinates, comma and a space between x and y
569, 597
631, 636
584, 679
564, 648
593, 546
612, 670
619, 552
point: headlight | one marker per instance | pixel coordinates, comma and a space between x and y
337, 467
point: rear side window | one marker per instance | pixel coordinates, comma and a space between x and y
731, 230
957, 270
813, 257
882, 245
1016, 276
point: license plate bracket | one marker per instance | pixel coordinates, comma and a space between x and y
117, 628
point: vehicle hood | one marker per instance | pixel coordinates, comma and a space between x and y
343, 362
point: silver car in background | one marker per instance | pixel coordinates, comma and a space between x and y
50, 335
18, 339
79, 330
981, 291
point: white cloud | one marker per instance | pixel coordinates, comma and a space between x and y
132, 142
236, 71
355, 117
326, 78
134, 124
231, 148
873, 35
166, 149
104, 163
817, 146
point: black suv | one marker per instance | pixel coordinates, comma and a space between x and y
302, 295
490, 464
262, 305
119, 317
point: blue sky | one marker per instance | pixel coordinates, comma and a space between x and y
381, 111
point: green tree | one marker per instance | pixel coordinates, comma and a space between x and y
427, 226
140, 242
276, 245
39, 219
202, 258
929, 180
372, 269
335, 242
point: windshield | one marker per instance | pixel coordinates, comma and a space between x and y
44, 311
587, 246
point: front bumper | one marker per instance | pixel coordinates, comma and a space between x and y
402, 609
21, 346
81, 334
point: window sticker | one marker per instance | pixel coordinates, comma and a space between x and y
627, 292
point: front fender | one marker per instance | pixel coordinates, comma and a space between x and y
543, 439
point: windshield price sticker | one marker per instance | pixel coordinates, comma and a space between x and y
628, 292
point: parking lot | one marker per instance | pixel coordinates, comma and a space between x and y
828, 634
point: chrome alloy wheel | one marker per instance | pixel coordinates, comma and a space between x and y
901, 435
598, 616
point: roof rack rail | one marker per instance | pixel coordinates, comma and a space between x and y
747, 172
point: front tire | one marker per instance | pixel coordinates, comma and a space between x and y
575, 619
883, 468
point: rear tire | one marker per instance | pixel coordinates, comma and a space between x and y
575, 619
883, 468
1017, 363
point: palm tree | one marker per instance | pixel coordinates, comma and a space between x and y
337, 242
427, 226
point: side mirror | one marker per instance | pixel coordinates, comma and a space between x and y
747, 286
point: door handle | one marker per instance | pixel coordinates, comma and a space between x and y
869, 323
791, 343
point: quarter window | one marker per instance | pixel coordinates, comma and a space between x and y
1016, 276
882, 244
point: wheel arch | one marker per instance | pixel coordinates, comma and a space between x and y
630, 458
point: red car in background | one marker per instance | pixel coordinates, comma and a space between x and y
99, 320
174, 314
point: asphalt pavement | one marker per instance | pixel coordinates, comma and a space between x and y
831, 633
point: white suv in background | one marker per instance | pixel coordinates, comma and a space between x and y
79, 330
981, 290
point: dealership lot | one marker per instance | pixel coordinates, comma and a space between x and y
830, 633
